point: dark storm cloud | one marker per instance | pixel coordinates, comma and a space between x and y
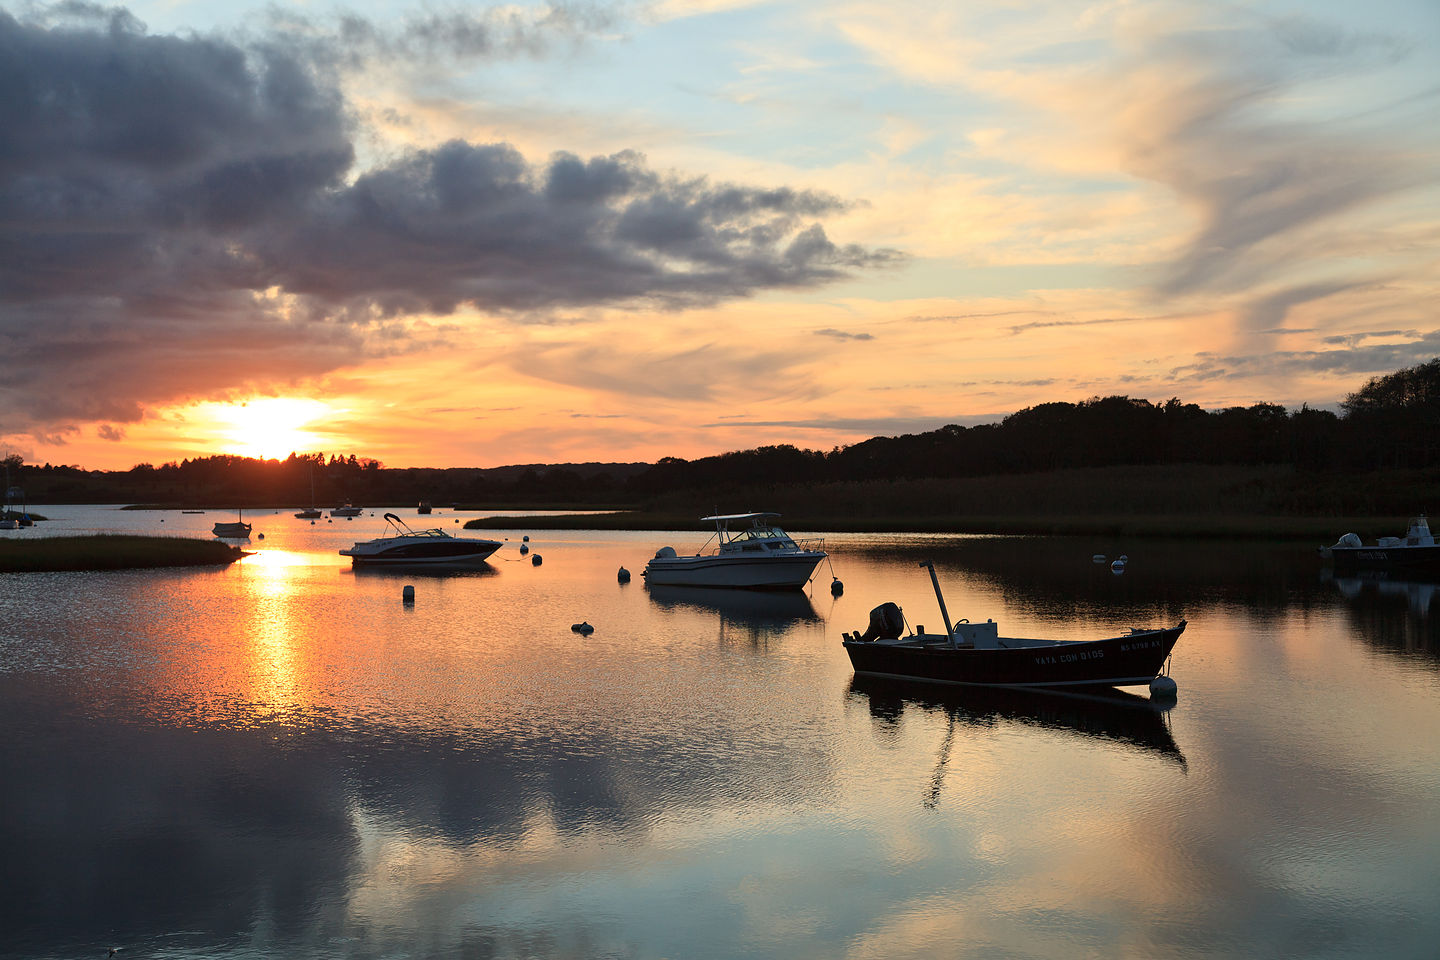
181, 216
347, 40
467, 223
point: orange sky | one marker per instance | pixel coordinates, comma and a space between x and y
611, 236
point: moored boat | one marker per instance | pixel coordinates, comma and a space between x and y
348, 510
975, 653
1416, 549
311, 512
406, 546
751, 551
236, 529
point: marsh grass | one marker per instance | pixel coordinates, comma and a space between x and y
111, 552
1163, 501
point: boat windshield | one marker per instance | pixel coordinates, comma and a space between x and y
759, 533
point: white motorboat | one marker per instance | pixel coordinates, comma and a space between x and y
750, 551
406, 546
347, 511
1417, 548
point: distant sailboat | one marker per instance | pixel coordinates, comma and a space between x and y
310, 513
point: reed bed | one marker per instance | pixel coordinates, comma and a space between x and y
111, 552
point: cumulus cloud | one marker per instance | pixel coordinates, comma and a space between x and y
166, 198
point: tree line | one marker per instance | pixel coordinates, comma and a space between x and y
1392, 423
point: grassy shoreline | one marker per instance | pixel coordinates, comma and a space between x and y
111, 552
1240, 527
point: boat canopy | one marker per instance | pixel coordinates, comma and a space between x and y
740, 516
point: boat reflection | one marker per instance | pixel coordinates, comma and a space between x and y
1391, 613
1115, 716
752, 607
758, 615
1417, 590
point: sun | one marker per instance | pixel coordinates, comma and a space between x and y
269, 427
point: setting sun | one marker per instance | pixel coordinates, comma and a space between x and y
268, 427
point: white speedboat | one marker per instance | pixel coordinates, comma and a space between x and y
406, 546
347, 511
750, 552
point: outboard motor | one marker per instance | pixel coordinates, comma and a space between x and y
886, 623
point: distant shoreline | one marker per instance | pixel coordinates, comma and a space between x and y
1316, 529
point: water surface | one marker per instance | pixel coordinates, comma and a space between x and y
280, 757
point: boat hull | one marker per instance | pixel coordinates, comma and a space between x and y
1384, 557
784, 572
232, 531
1129, 660
454, 553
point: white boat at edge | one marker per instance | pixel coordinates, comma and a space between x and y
757, 555
1417, 548
410, 547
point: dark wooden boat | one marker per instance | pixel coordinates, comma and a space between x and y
975, 653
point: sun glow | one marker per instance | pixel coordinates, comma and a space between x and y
269, 427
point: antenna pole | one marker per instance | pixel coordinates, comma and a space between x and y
944, 614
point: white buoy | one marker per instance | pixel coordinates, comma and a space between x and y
623, 576
1163, 688
1098, 558
1117, 567
582, 627
408, 594
535, 560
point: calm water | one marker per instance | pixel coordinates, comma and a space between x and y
281, 759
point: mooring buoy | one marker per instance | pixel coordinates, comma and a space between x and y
408, 594
623, 576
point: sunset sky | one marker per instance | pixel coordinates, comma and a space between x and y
470, 235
